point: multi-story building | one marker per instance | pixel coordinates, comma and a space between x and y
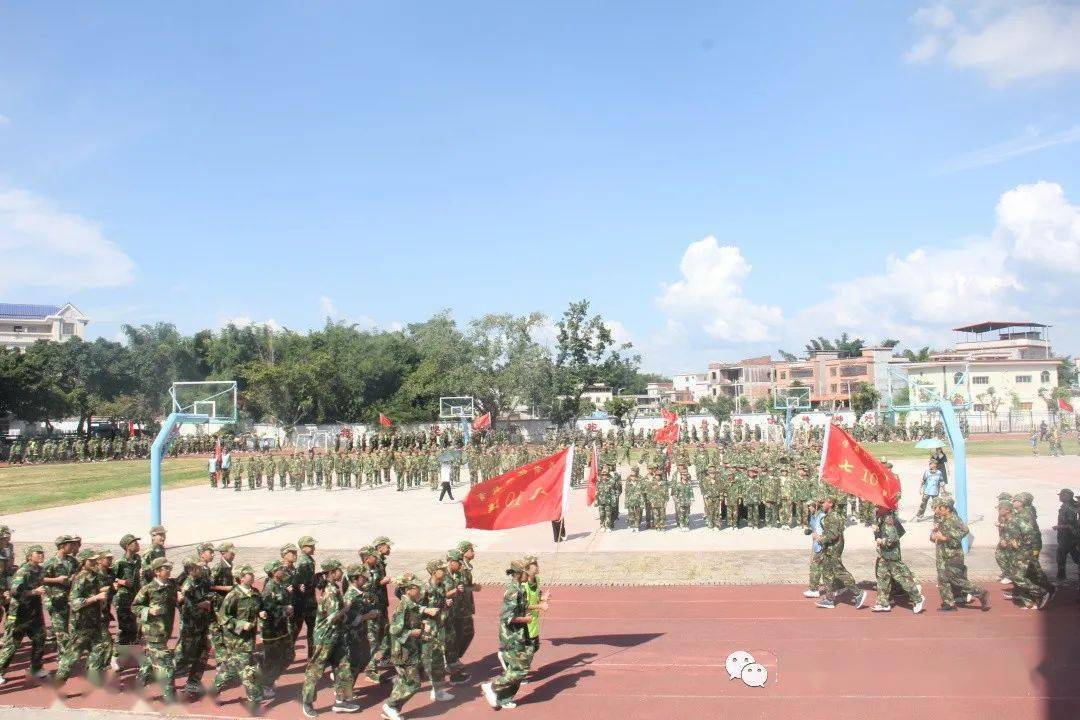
832, 379
23, 325
996, 366
691, 387
745, 381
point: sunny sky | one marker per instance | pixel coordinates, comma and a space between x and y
720, 179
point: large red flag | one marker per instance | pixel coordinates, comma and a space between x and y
385, 421
848, 466
1063, 404
594, 478
533, 493
484, 421
668, 415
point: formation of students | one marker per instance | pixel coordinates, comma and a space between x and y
251, 629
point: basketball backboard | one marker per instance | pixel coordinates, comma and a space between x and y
213, 399
455, 408
791, 398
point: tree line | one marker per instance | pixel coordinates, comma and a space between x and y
339, 373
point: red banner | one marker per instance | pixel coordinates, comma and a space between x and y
1063, 404
848, 466
385, 421
484, 421
594, 478
526, 495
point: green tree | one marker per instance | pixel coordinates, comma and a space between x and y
1067, 374
864, 399
845, 345
921, 355
620, 408
720, 407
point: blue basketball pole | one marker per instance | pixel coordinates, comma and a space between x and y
157, 450
959, 448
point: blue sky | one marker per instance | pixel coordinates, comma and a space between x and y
720, 180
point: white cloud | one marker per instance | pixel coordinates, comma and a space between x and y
1006, 42
43, 246
1009, 275
243, 321
619, 333
1032, 140
328, 307
710, 294
1042, 227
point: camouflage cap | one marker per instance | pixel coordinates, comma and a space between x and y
306, 541
942, 502
355, 570
455, 555
367, 551
464, 546
243, 570
190, 562
330, 564
885, 462
5, 530
435, 565
127, 540
157, 530
106, 553
1067, 493
529, 560
226, 547
273, 566
159, 563
205, 547
381, 540
1005, 504
85, 555
407, 581
33, 549
1025, 498
515, 567
64, 540
1004, 496
288, 547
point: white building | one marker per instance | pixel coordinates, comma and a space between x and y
23, 325
693, 386
598, 395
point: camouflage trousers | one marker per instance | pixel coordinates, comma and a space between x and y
772, 512
14, 632
359, 650
786, 514
1028, 578
463, 636
157, 664
1005, 559
240, 666
710, 511
518, 660
277, 654
889, 572
835, 576
237, 484
59, 612
97, 643
216, 638
658, 515
378, 641
633, 516
406, 684
952, 576
815, 570
193, 653
335, 657
607, 516
682, 515
433, 659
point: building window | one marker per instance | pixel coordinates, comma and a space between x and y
1045, 376
783, 376
67, 328
832, 372
957, 378
852, 370
1025, 406
980, 380
979, 407
1023, 378
832, 388
802, 373
18, 329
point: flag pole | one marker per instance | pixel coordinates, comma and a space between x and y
824, 448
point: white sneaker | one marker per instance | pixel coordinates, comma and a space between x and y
390, 713
861, 601
508, 705
501, 660
441, 695
115, 665
2, 679
968, 598
918, 607
1005, 581
489, 694
811, 594
881, 608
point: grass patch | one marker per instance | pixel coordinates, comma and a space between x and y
1008, 447
40, 486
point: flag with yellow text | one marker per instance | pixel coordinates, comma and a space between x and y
532, 493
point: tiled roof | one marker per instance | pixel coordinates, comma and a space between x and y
19, 311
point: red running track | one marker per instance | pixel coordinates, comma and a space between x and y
639, 652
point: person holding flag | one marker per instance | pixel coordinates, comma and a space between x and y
515, 646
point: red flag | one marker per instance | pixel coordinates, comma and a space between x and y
1064, 405
385, 421
533, 493
594, 478
131, 428
217, 451
848, 466
667, 434
669, 416
484, 421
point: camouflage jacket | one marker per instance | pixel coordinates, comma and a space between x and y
404, 649
889, 531
131, 571
194, 619
330, 619
514, 604
26, 607
433, 595
276, 601
304, 575
832, 532
151, 555
954, 529
221, 574
161, 598
358, 602
239, 617
55, 567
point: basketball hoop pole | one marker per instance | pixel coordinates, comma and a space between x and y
161, 444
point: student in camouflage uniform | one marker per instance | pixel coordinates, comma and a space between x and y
221, 582
406, 645
606, 496
25, 617
379, 629
59, 569
1068, 532
435, 636
515, 646
890, 568
361, 606
947, 535
331, 649
157, 550
196, 612
1004, 553
1038, 587
303, 585
657, 497
835, 577
460, 614
155, 607
635, 499
277, 637
239, 619
682, 493
467, 630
